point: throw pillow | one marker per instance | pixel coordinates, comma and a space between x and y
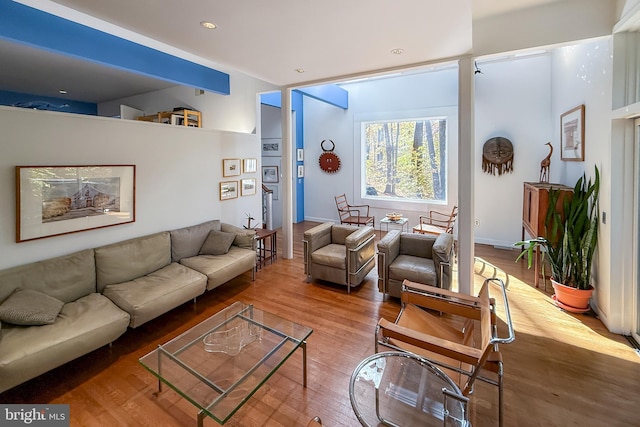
217, 243
29, 307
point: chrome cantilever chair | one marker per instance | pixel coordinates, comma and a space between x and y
430, 336
353, 214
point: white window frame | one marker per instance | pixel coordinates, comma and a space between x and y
360, 197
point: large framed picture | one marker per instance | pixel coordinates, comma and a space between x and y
230, 167
270, 174
56, 200
228, 190
248, 186
572, 134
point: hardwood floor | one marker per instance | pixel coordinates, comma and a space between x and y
562, 369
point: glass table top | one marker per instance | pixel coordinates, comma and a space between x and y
402, 389
218, 364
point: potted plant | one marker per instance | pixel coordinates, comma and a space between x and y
571, 243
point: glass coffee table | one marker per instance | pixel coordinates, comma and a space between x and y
220, 363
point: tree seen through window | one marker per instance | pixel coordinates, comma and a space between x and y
406, 159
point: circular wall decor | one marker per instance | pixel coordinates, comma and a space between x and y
329, 161
497, 156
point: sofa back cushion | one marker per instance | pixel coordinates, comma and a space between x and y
186, 242
66, 278
130, 259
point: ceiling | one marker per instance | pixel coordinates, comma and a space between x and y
273, 41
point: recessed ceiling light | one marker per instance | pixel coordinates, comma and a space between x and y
208, 25
300, 70
62, 92
397, 51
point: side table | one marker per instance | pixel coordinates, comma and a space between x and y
402, 222
403, 389
266, 253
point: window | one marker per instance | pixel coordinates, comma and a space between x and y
405, 159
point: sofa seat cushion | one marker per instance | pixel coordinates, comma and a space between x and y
416, 269
81, 327
331, 255
220, 269
150, 296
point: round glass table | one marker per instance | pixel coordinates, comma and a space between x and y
403, 389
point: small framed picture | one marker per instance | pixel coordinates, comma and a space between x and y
230, 167
300, 155
228, 190
572, 135
274, 190
300, 171
250, 165
248, 187
272, 147
270, 174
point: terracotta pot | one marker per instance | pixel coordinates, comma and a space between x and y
571, 299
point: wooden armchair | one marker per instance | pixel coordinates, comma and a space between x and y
353, 214
430, 336
437, 222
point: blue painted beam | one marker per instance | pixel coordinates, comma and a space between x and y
331, 94
33, 27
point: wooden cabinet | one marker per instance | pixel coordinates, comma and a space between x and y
535, 204
190, 118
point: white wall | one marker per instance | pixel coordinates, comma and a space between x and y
408, 94
271, 119
582, 75
235, 112
178, 174
512, 100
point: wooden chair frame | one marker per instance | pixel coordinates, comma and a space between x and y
448, 347
437, 222
353, 214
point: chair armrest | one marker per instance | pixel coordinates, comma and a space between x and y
451, 349
390, 245
360, 207
358, 237
442, 252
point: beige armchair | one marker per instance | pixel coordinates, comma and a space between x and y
337, 253
421, 258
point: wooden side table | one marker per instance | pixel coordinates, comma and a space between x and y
266, 253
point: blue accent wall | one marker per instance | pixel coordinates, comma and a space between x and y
331, 94
23, 24
274, 99
27, 100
